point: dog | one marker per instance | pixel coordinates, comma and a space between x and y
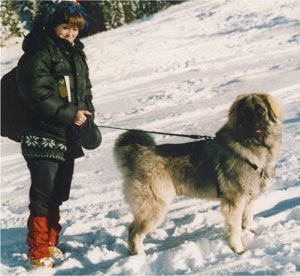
235, 168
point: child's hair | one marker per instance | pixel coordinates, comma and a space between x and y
64, 16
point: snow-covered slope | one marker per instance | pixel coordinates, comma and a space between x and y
177, 71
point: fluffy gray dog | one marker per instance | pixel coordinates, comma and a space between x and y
235, 168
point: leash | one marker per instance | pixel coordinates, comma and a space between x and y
198, 137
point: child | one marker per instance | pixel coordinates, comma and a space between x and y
53, 80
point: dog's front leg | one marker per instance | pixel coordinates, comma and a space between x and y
233, 212
248, 216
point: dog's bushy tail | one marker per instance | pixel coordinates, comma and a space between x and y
126, 149
132, 137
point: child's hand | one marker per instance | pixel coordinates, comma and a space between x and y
81, 117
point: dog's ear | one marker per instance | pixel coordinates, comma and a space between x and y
274, 107
233, 111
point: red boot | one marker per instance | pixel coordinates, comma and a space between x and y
54, 229
38, 240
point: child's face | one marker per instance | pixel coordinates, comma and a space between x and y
67, 32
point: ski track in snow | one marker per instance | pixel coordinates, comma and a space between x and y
177, 71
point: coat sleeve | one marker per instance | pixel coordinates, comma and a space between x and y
89, 96
38, 87
88, 92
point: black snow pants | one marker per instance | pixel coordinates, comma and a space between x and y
50, 184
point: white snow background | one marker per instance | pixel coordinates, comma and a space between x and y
177, 71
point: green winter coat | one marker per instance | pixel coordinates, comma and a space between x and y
49, 131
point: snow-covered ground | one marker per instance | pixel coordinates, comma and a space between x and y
177, 71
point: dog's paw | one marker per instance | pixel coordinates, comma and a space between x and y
239, 251
237, 246
135, 250
132, 249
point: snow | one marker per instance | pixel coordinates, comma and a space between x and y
177, 71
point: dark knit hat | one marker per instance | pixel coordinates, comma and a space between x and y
64, 10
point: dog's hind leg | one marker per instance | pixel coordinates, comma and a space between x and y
136, 234
233, 212
149, 199
144, 222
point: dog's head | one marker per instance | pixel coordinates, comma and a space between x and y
253, 116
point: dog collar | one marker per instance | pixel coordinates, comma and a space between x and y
255, 167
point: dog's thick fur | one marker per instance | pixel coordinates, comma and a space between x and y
239, 162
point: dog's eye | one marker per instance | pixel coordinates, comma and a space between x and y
261, 110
